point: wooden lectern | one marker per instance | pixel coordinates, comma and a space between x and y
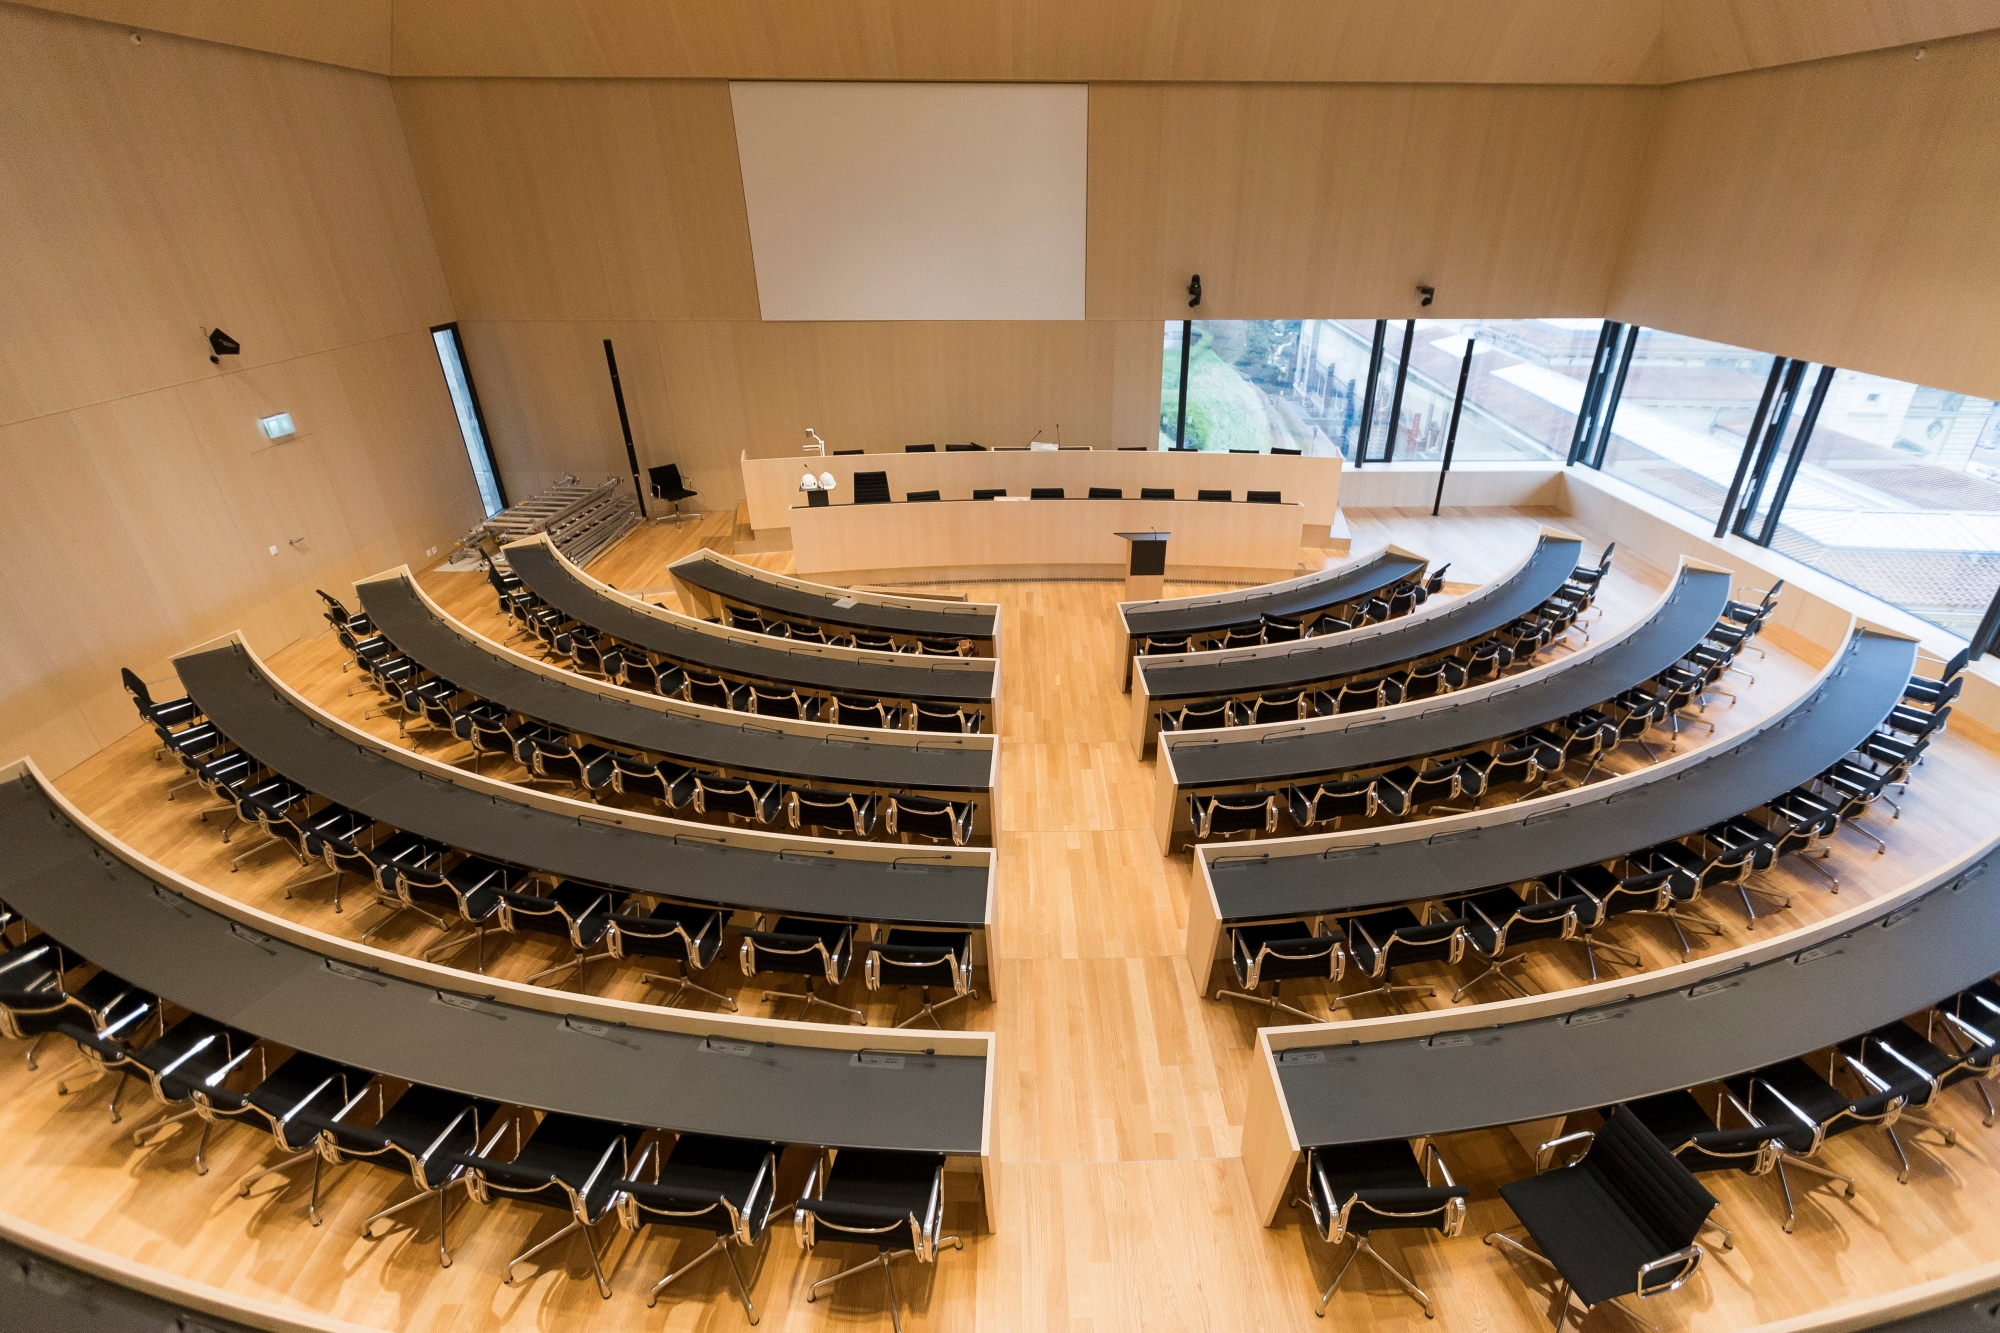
1146, 571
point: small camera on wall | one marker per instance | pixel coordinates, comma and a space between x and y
1428, 293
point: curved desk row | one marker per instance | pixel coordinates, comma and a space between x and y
846, 756
741, 652
1162, 682
1247, 757
707, 581
732, 869
1441, 858
1516, 1061
516, 1044
1174, 617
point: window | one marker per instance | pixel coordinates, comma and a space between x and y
1898, 494
1521, 396
471, 422
1241, 392
1686, 411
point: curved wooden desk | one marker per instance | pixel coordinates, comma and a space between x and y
706, 582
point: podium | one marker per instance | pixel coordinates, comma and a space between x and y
1146, 570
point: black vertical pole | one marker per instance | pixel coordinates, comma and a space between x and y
1987, 637
1607, 408
1774, 435
1796, 456
1750, 446
625, 424
1180, 412
1591, 381
1368, 394
1451, 434
1396, 399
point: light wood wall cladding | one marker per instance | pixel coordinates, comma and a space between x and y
354, 33
152, 190
155, 190
1847, 211
1707, 37
702, 393
569, 199
1337, 201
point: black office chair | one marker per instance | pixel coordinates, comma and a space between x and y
572, 910
1928, 692
1205, 715
1107, 493
735, 798
714, 691
1214, 495
871, 488
1697, 1139
1233, 812
1970, 1022
294, 1101
1918, 1070
929, 818
1380, 941
847, 711
1499, 919
891, 1200
1161, 645
725, 1187
1264, 497
185, 1057
924, 959
470, 888
1356, 1189
1278, 952
1045, 492
816, 950
832, 811
666, 485
774, 703
965, 448
427, 1132
1802, 1109
567, 1162
171, 714
1331, 802
984, 493
1619, 1219
690, 936
923, 497
1294, 707
1156, 492
669, 784
920, 448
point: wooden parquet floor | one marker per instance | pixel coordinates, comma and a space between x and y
1120, 1089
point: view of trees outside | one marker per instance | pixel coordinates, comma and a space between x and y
1301, 384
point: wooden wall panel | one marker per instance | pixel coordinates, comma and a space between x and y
569, 199
1427, 41
1706, 37
151, 190
1339, 200
1846, 211
354, 33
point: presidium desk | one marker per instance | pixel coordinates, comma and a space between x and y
1069, 538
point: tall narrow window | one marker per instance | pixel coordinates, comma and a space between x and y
1680, 423
471, 422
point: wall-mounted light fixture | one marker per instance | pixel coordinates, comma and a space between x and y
1428, 293
220, 345
277, 427
1194, 291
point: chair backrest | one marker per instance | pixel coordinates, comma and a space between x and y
1654, 1187
965, 448
1156, 492
1107, 493
920, 497
1264, 497
141, 696
871, 488
1214, 495
1045, 492
992, 493
1242, 812
920, 448
665, 479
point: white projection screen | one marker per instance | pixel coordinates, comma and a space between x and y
915, 200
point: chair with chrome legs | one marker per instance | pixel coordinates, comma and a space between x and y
1970, 1022
1618, 1219
567, 1162
787, 704
1497, 920
110, 1041
1204, 716
1919, 1070
891, 1200
1687, 1130
1282, 951
1233, 812
924, 959
943, 718
1331, 802
36, 1000
1802, 1109
1607, 895
724, 1187
1802, 824
571, 910
1357, 1189
160, 716
295, 1102
815, 950
586, 767
427, 1132
735, 798
1379, 941
446, 889
928, 818
177, 1066
690, 936
669, 784
848, 711
832, 811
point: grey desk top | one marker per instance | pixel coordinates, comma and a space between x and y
1537, 1068
101, 907
1290, 598
400, 613
723, 581
1677, 623
1429, 630
934, 887
1677, 797
554, 580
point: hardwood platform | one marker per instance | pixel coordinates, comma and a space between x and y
1121, 1093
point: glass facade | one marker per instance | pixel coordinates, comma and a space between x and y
471, 422
1684, 416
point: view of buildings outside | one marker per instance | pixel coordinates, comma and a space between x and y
1684, 416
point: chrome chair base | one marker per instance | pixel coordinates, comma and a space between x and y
880, 1261
244, 1183
929, 1010
1682, 922
724, 1245
1880, 846
811, 998
1497, 971
444, 1252
590, 1242
1814, 865
1562, 1304
580, 962
396, 908
1784, 1182
1618, 952
1388, 990
1363, 1246
1744, 888
1271, 1002
683, 984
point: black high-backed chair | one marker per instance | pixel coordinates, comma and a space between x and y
944, 718
1264, 497
1331, 802
988, 493
928, 818
666, 485
567, 1162
735, 798
1619, 1219
1379, 941
1045, 493
1356, 1189
428, 1132
669, 784
690, 936
893, 1201
1501, 919
725, 1187
816, 950
1278, 952
922, 497
1802, 1110
1156, 492
927, 960
1214, 495
1233, 812
831, 811
1107, 493
572, 910
871, 488
295, 1101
